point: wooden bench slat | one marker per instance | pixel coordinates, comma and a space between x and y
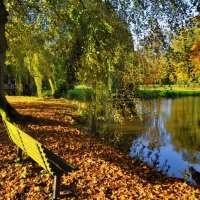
45, 158
47, 164
30, 150
52, 163
12, 127
16, 139
27, 144
58, 161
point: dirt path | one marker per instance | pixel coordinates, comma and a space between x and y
105, 173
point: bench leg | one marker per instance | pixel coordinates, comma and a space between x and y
19, 153
56, 187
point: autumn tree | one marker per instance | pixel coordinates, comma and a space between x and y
195, 56
185, 56
95, 26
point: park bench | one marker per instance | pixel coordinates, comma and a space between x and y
52, 163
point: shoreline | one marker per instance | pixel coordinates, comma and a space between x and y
166, 92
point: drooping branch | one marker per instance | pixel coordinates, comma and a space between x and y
82, 4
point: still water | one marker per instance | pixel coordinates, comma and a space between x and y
166, 134
170, 139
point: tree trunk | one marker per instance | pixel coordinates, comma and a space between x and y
3, 48
2, 95
38, 82
52, 86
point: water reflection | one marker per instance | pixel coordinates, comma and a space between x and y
165, 133
170, 140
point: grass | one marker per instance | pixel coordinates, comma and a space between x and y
81, 93
167, 91
171, 87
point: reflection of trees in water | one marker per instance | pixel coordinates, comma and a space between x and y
184, 127
162, 122
191, 157
176, 121
171, 121
195, 175
110, 134
154, 121
149, 153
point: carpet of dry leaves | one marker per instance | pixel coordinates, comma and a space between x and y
104, 172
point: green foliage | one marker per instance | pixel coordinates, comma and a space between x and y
167, 93
66, 43
81, 94
148, 94
183, 64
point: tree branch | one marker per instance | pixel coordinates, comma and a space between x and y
82, 4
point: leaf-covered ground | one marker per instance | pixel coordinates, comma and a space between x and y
104, 172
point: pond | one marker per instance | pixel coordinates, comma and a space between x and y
166, 134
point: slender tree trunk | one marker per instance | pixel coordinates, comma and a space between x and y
52, 86
3, 48
38, 82
19, 86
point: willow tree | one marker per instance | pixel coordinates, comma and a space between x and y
139, 15
6, 8
15, 65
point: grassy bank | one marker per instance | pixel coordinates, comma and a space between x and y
80, 93
84, 93
166, 91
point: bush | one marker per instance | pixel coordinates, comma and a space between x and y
81, 94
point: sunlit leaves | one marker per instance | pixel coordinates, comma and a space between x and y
195, 54
186, 56
141, 15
